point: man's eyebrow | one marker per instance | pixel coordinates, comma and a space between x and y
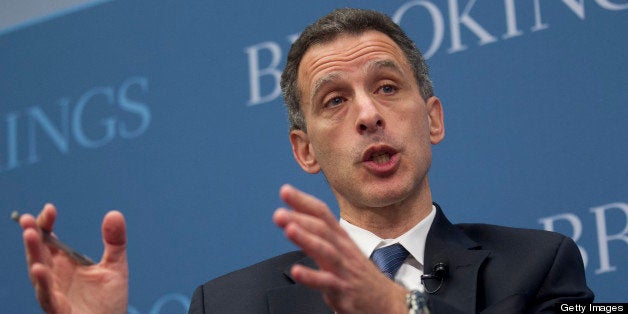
384, 64
321, 82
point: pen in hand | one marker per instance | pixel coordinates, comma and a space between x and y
50, 239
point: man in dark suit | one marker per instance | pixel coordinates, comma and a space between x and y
362, 111
492, 270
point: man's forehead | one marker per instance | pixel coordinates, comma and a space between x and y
371, 50
348, 45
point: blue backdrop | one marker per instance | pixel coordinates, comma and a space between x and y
169, 111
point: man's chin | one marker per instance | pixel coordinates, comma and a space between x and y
385, 196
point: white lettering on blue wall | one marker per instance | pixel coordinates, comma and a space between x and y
604, 236
63, 124
264, 58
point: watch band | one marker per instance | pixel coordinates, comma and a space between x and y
416, 301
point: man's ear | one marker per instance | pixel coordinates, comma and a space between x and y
303, 151
436, 120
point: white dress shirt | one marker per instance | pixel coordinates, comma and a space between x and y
409, 274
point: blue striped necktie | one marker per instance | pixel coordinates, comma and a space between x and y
389, 259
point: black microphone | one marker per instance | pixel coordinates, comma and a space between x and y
439, 272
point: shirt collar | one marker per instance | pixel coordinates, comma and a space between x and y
413, 240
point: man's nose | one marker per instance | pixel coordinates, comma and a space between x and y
370, 118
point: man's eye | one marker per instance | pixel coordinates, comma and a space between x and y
388, 89
334, 102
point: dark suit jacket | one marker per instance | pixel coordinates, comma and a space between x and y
492, 269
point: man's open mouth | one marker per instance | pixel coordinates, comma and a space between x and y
381, 157
379, 154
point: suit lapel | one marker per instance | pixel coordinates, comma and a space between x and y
296, 298
446, 243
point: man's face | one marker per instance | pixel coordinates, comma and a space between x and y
368, 129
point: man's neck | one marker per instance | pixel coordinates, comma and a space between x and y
390, 221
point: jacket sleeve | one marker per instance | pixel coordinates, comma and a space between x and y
565, 280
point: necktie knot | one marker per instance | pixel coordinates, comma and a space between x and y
389, 258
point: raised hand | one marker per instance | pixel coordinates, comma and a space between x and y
62, 285
349, 281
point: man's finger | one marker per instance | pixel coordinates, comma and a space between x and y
305, 203
114, 237
318, 279
27, 221
47, 217
315, 225
323, 252
33, 247
42, 280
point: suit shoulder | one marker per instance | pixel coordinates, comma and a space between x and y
493, 236
267, 272
244, 289
546, 266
